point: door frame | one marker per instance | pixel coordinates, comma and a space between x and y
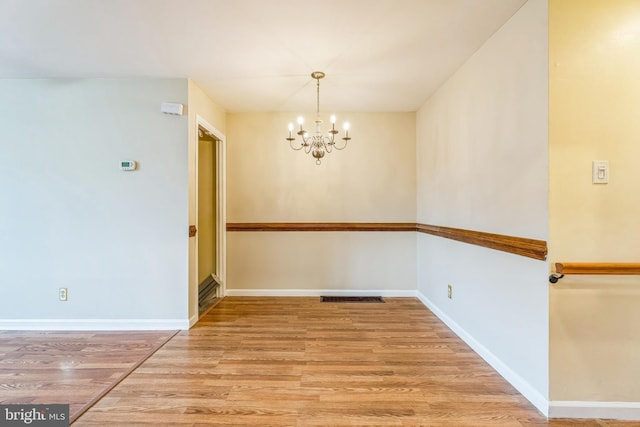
221, 203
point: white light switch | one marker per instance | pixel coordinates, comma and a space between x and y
600, 172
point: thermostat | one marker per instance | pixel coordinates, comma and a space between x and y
128, 165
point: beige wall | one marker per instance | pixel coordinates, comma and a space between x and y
373, 179
594, 59
206, 209
199, 105
307, 263
482, 165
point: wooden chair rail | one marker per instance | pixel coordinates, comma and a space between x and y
530, 248
321, 226
536, 249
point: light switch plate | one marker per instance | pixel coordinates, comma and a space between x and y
600, 172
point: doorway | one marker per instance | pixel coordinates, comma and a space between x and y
209, 218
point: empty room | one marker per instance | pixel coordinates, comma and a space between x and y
339, 213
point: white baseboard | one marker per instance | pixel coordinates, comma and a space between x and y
629, 411
528, 391
317, 292
194, 319
93, 324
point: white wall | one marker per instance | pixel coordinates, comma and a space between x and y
69, 217
372, 180
482, 165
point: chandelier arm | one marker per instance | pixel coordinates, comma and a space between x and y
340, 148
328, 144
295, 148
308, 148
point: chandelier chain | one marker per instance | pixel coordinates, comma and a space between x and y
318, 98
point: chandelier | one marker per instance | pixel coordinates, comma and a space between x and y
318, 144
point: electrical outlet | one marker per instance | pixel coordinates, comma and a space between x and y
449, 290
62, 294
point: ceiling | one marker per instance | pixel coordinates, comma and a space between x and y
256, 55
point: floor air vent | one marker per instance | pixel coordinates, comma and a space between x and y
351, 299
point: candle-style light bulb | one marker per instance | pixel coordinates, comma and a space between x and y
346, 128
290, 129
333, 118
300, 120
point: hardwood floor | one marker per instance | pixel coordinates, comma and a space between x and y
74, 368
299, 362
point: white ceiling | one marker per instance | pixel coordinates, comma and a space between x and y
256, 55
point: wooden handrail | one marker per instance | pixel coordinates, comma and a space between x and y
610, 268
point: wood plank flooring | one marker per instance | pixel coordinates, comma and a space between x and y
74, 368
299, 362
